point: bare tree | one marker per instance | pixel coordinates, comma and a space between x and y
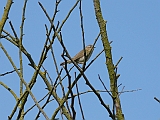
69, 93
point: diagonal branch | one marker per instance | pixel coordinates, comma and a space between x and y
5, 15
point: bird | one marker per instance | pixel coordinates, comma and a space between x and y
79, 57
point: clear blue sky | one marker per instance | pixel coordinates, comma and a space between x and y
134, 28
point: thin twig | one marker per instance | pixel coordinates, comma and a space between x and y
54, 93
94, 59
97, 55
118, 62
14, 32
21, 78
56, 9
82, 30
48, 75
55, 83
47, 101
104, 85
97, 94
121, 91
87, 82
104, 91
35, 104
96, 39
79, 101
63, 77
20, 45
10, 90
69, 86
69, 13
3, 74
157, 99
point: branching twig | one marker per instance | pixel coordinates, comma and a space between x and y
121, 91
15, 107
104, 91
47, 101
67, 16
48, 75
21, 78
118, 62
56, 9
35, 104
104, 85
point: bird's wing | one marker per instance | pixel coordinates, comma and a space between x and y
78, 55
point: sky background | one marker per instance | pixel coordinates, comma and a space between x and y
134, 28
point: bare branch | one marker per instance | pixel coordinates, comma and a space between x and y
79, 101
3, 74
157, 99
21, 78
5, 15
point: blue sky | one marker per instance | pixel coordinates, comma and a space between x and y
134, 28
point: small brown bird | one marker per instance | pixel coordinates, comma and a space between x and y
79, 57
